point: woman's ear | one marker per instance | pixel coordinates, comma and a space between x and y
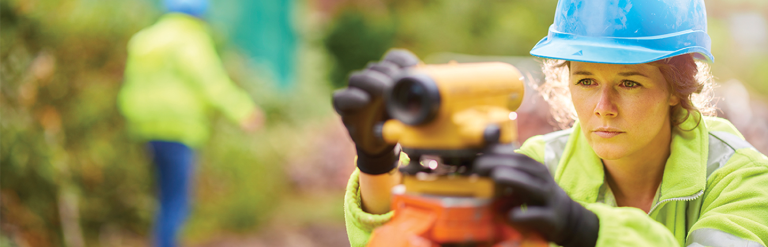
674, 100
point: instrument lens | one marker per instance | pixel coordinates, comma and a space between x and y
409, 97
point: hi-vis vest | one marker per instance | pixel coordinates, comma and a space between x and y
722, 146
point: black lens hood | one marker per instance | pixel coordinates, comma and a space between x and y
428, 103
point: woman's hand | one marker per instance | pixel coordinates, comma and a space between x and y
361, 107
546, 207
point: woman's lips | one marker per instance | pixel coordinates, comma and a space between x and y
607, 134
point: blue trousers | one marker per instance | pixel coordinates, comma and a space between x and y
173, 162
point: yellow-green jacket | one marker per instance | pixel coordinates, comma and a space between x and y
174, 79
714, 191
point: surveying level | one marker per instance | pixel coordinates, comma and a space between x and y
447, 115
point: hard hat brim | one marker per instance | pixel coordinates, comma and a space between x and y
614, 50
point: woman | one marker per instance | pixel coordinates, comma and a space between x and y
645, 165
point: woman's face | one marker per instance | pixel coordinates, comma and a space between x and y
623, 109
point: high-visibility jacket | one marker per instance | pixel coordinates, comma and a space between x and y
714, 190
174, 79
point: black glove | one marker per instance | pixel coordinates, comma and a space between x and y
361, 107
549, 210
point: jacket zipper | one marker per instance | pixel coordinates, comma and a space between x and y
684, 198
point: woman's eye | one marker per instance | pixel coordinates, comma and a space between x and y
629, 84
586, 82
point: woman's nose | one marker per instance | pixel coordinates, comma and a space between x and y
605, 104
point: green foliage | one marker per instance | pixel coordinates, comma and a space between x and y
354, 40
62, 66
490, 27
362, 33
61, 131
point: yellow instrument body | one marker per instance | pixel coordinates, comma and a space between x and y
473, 96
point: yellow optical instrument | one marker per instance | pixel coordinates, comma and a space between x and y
453, 110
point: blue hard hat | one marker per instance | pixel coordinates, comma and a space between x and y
190, 7
626, 32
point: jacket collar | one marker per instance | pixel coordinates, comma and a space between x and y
580, 172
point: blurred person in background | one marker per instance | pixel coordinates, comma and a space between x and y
173, 79
644, 163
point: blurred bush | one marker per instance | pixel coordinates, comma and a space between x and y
65, 159
70, 173
362, 31
354, 40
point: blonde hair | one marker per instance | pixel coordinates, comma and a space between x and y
688, 79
